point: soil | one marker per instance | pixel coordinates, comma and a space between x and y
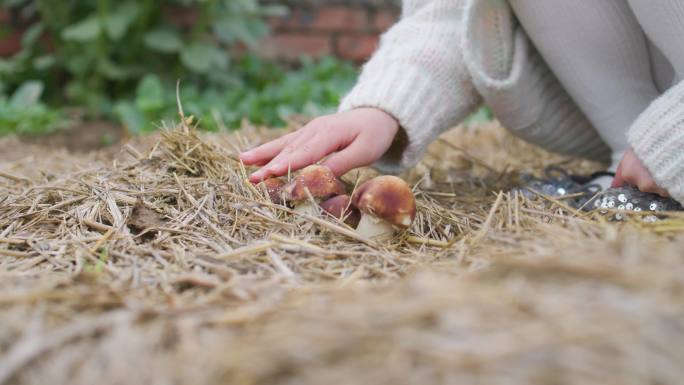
84, 137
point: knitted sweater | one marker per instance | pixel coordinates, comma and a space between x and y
445, 57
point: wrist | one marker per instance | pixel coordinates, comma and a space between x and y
381, 119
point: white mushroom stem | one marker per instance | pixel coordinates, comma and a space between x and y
375, 228
306, 207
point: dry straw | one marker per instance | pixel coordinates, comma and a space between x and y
164, 265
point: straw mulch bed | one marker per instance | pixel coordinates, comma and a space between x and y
161, 265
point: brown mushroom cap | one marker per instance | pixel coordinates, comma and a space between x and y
319, 180
388, 198
274, 188
340, 207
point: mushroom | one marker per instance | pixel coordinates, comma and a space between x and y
321, 184
274, 189
386, 203
341, 208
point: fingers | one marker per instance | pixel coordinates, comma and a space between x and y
643, 183
293, 157
650, 186
307, 148
305, 151
355, 155
264, 153
633, 172
272, 156
373, 129
618, 180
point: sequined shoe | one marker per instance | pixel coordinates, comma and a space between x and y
581, 193
628, 198
575, 190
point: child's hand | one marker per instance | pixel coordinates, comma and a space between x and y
357, 138
632, 171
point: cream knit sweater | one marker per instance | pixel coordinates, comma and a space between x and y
445, 57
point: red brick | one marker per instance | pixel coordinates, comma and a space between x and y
341, 18
181, 16
357, 48
325, 18
10, 44
4, 16
291, 46
383, 20
297, 19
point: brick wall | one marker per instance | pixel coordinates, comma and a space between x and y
10, 39
347, 28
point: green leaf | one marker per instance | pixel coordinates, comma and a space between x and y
112, 70
35, 119
484, 114
75, 90
225, 30
84, 31
117, 23
202, 57
80, 64
150, 94
42, 63
163, 40
275, 10
32, 35
231, 29
12, 3
130, 117
7, 66
27, 95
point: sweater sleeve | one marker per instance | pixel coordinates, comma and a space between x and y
418, 76
657, 137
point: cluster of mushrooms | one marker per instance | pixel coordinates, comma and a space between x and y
376, 209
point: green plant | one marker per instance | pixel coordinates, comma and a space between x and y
121, 60
23, 112
95, 52
265, 94
483, 114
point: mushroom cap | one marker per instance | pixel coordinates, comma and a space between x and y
274, 188
388, 198
319, 180
340, 207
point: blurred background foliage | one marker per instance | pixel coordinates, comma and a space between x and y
120, 60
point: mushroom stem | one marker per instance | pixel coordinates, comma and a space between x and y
306, 207
375, 228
